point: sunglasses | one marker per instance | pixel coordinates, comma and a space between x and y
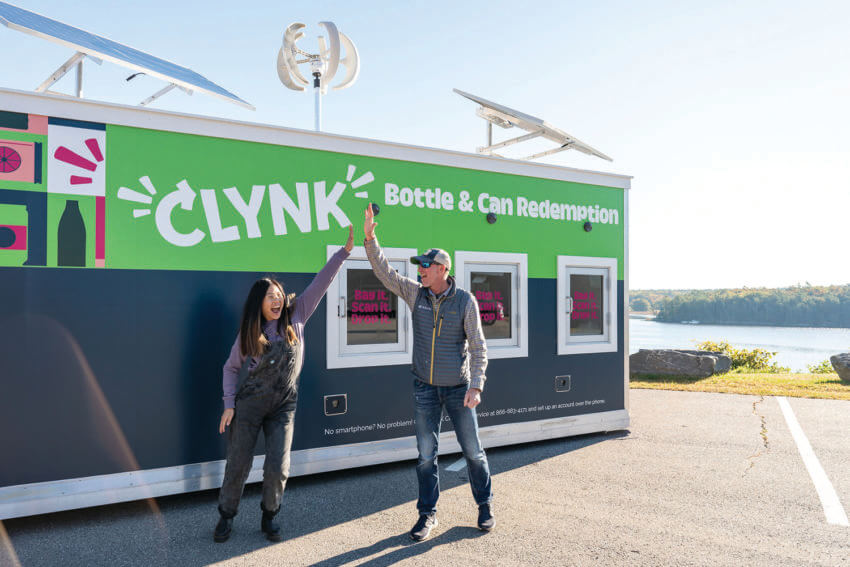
426, 264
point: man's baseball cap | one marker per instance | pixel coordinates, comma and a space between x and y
435, 255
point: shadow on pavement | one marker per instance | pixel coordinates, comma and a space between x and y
131, 534
404, 548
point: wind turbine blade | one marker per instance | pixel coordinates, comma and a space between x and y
332, 59
351, 61
290, 38
283, 72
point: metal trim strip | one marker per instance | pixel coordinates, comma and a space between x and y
54, 496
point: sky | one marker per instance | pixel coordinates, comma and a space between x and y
732, 117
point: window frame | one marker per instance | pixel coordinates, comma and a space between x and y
356, 356
585, 344
467, 261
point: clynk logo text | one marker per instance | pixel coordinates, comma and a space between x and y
280, 202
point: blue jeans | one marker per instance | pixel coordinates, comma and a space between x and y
429, 402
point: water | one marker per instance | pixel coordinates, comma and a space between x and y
795, 347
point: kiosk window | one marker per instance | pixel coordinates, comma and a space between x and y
586, 293
493, 292
371, 310
499, 283
587, 305
367, 325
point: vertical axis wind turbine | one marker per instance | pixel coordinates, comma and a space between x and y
323, 65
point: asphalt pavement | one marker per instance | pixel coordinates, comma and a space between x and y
699, 479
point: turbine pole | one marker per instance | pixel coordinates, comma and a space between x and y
316, 66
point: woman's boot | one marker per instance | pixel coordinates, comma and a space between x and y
270, 527
223, 528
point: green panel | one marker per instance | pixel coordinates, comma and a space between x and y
13, 215
22, 136
217, 164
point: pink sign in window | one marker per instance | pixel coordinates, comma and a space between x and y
492, 290
586, 316
371, 311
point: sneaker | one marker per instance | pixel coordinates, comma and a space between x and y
486, 521
422, 529
222, 529
270, 527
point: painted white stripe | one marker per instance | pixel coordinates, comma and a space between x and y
146, 181
457, 465
367, 177
127, 194
828, 497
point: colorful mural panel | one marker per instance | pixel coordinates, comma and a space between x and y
178, 201
23, 201
24, 213
30, 123
76, 169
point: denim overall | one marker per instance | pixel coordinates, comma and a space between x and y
265, 400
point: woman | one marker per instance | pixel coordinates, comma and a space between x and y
270, 347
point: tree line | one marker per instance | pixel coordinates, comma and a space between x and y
811, 306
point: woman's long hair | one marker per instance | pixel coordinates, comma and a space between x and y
252, 340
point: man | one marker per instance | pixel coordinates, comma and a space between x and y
449, 359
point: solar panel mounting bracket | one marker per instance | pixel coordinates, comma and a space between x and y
76, 60
164, 90
505, 117
567, 146
489, 149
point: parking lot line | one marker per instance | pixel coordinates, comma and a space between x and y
828, 497
457, 465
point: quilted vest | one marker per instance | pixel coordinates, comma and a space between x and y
440, 353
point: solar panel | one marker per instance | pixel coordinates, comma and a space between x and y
508, 117
102, 48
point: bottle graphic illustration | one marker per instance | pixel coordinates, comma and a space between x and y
71, 236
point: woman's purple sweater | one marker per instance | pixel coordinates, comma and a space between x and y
305, 304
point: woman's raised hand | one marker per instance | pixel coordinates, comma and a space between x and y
349, 245
226, 418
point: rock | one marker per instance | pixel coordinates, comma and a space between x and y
674, 362
724, 362
841, 364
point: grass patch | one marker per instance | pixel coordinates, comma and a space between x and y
824, 386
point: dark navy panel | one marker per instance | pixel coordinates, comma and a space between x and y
14, 120
383, 395
75, 123
106, 371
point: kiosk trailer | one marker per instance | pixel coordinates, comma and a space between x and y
129, 238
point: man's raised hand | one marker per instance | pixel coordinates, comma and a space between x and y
369, 223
